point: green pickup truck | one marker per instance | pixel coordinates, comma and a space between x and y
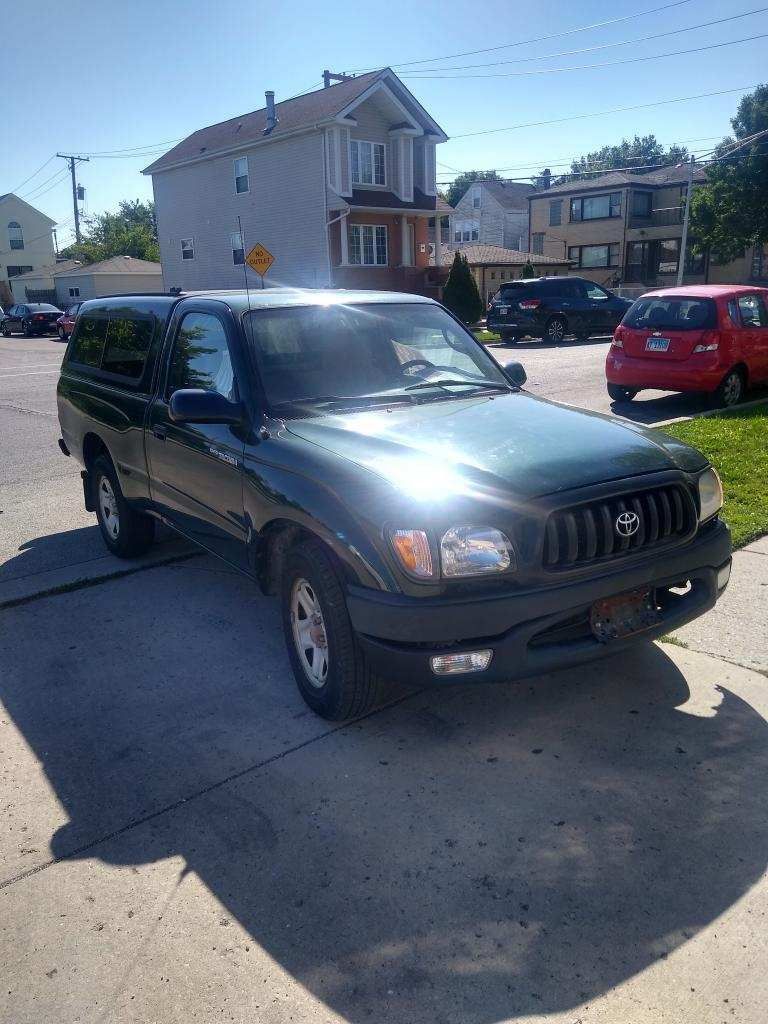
422, 517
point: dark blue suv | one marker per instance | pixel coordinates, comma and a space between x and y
552, 307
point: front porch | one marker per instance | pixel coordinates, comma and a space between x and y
383, 251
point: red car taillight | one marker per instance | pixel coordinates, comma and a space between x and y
618, 337
529, 303
710, 342
38, 316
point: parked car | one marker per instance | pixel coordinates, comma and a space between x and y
30, 318
66, 322
360, 454
711, 338
553, 307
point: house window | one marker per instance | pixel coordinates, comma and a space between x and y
368, 245
15, 235
238, 253
74, 293
187, 248
555, 212
14, 271
475, 198
466, 230
596, 207
242, 181
592, 256
368, 163
537, 243
642, 204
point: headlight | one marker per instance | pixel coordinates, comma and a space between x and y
710, 494
475, 551
413, 552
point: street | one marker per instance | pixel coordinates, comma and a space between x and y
182, 839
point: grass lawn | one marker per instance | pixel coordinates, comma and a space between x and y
487, 336
736, 444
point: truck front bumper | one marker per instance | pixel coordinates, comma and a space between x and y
533, 631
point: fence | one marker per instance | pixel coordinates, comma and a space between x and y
41, 295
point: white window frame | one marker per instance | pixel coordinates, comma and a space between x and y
359, 229
236, 242
190, 244
357, 143
466, 230
247, 175
74, 293
476, 196
15, 236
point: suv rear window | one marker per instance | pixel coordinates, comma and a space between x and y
671, 313
514, 290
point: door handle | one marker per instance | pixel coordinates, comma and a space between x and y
159, 431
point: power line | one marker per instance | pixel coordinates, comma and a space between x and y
33, 175
131, 149
601, 113
36, 188
591, 67
589, 49
536, 39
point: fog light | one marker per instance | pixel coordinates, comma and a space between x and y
723, 575
452, 664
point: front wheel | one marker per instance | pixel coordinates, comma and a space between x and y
61, 333
617, 393
731, 389
6, 333
510, 337
126, 532
555, 329
329, 667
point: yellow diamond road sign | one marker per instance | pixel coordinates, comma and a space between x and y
260, 259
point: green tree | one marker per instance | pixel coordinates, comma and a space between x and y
730, 212
461, 183
131, 231
638, 152
460, 294
528, 270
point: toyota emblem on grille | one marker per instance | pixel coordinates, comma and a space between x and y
627, 524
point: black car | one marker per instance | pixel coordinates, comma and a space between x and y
553, 307
360, 454
30, 318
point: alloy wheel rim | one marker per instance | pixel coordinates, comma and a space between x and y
732, 389
309, 636
556, 330
110, 516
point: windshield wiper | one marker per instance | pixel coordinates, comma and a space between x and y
444, 382
335, 399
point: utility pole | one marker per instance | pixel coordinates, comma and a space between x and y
73, 161
686, 218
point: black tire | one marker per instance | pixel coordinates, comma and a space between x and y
61, 333
619, 394
731, 389
127, 533
27, 329
556, 329
510, 337
349, 687
7, 333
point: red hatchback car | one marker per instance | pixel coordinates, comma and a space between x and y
710, 338
66, 322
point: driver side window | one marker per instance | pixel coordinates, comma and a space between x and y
201, 357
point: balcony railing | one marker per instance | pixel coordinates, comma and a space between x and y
657, 218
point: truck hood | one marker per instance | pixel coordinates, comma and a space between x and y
513, 443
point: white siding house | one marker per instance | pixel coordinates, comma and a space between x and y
26, 240
492, 213
118, 275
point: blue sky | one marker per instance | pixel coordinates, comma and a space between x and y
139, 72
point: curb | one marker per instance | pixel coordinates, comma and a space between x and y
711, 412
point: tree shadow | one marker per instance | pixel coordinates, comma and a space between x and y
469, 854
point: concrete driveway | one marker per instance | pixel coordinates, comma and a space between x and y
181, 839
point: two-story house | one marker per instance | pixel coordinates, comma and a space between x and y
492, 212
26, 242
623, 228
338, 184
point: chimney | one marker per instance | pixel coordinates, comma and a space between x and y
546, 178
271, 115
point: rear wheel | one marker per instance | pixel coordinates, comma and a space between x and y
510, 337
328, 664
126, 532
61, 333
555, 329
620, 394
27, 328
731, 389
7, 332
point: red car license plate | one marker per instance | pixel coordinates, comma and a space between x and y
615, 617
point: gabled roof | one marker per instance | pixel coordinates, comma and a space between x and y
293, 114
12, 195
442, 207
114, 265
51, 270
673, 175
512, 195
493, 255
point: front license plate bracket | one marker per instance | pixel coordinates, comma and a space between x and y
614, 618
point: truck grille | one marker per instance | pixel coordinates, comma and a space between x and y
588, 533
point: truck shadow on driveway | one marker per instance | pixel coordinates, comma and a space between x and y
467, 854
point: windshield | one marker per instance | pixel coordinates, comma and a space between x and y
360, 354
668, 313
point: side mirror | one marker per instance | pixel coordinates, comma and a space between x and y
515, 374
195, 405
